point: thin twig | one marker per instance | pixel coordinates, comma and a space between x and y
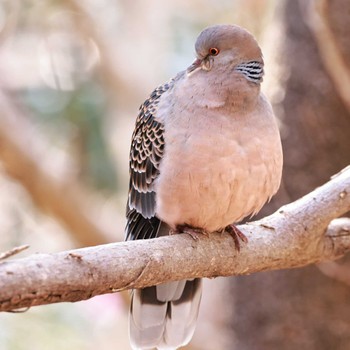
13, 251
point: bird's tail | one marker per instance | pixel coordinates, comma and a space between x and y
164, 316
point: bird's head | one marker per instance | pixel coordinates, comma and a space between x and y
228, 48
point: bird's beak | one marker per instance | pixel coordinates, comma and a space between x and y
196, 64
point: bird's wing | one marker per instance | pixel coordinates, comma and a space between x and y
147, 148
163, 316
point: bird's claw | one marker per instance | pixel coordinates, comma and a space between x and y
237, 235
194, 232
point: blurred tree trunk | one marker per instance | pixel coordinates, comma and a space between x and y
302, 308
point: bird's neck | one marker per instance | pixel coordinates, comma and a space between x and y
217, 91
236, 88
242, 94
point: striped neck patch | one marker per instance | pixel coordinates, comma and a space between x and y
252, 70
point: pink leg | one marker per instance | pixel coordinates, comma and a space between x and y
237, 235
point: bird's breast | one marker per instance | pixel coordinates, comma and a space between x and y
217, 167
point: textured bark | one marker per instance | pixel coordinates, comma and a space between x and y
298, 234
303, 309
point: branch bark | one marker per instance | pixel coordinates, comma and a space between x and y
300, 233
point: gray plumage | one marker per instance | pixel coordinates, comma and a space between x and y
205, 153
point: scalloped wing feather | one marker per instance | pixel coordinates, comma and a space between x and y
147, 148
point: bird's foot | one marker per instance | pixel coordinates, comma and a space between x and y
237, 235
194, 232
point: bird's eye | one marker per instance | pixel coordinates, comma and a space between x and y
213, 51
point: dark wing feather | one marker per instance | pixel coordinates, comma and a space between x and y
147, 147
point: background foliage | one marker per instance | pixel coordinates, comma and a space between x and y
72, 76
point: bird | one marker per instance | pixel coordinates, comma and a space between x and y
205, 153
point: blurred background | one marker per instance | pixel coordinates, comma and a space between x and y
72, 76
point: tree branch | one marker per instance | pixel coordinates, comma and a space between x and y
298, 234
